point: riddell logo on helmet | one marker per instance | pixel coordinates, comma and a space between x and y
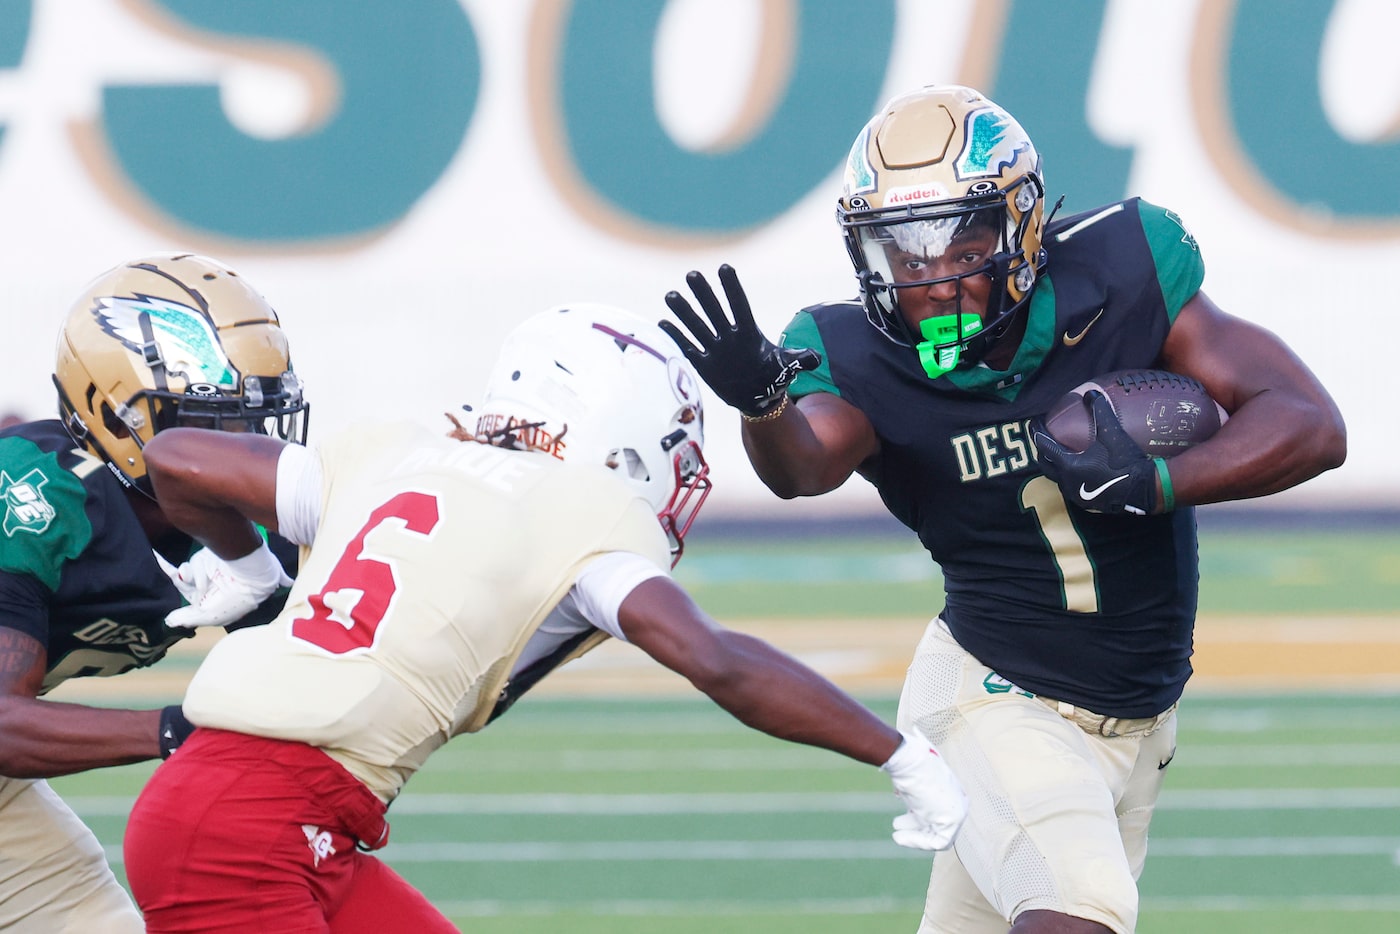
909, 194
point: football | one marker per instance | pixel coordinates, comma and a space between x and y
1165, 413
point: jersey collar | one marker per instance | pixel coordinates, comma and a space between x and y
1035, 344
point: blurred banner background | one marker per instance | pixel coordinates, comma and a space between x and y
406, 180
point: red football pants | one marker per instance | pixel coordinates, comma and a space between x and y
244, 835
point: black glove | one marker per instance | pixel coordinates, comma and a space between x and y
743, 367
174, 729
1111, 475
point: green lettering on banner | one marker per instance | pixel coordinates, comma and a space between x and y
1274, 53
625, 156
409, 75
1045, 61
15, 17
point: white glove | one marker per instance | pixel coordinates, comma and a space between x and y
935, 800
221, 592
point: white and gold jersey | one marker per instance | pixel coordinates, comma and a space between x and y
433, 563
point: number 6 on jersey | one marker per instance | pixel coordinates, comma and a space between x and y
346, 613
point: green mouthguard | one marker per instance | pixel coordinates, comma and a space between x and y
943, 329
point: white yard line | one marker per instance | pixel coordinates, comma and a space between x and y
864, 906
1294, 799
651, 851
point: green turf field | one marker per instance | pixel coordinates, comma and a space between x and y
1296, 570
662, 815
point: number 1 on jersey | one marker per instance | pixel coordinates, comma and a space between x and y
1041, 497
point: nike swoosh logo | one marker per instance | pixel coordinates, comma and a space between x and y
1167, 761
1087, 495
1071, 341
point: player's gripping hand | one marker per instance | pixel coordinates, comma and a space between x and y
743, 367
174, 729
221, 592
930, 791
1111, 475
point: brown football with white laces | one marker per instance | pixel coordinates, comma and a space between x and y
1165, 413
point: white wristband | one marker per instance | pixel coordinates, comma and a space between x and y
908, 756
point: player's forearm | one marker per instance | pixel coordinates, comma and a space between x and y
774, 693
1273, 442
788, 457
215, 485
43, 739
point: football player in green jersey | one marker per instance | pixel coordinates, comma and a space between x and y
89, 566
1051, 675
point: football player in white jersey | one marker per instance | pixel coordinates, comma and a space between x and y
441, 578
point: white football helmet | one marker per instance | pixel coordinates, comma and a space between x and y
592, 383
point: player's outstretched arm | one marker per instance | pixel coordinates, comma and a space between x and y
770, 691
43, 738
761, 686
813, 448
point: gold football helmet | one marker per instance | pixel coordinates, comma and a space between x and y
173, 339
932, 165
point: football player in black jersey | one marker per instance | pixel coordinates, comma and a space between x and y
1051, 676
89, 566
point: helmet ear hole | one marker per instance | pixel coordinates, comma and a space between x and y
630, 463
593, 384
112, 423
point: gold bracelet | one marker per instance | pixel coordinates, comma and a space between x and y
766, 416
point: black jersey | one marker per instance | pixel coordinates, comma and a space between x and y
1092, 609
76, 569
